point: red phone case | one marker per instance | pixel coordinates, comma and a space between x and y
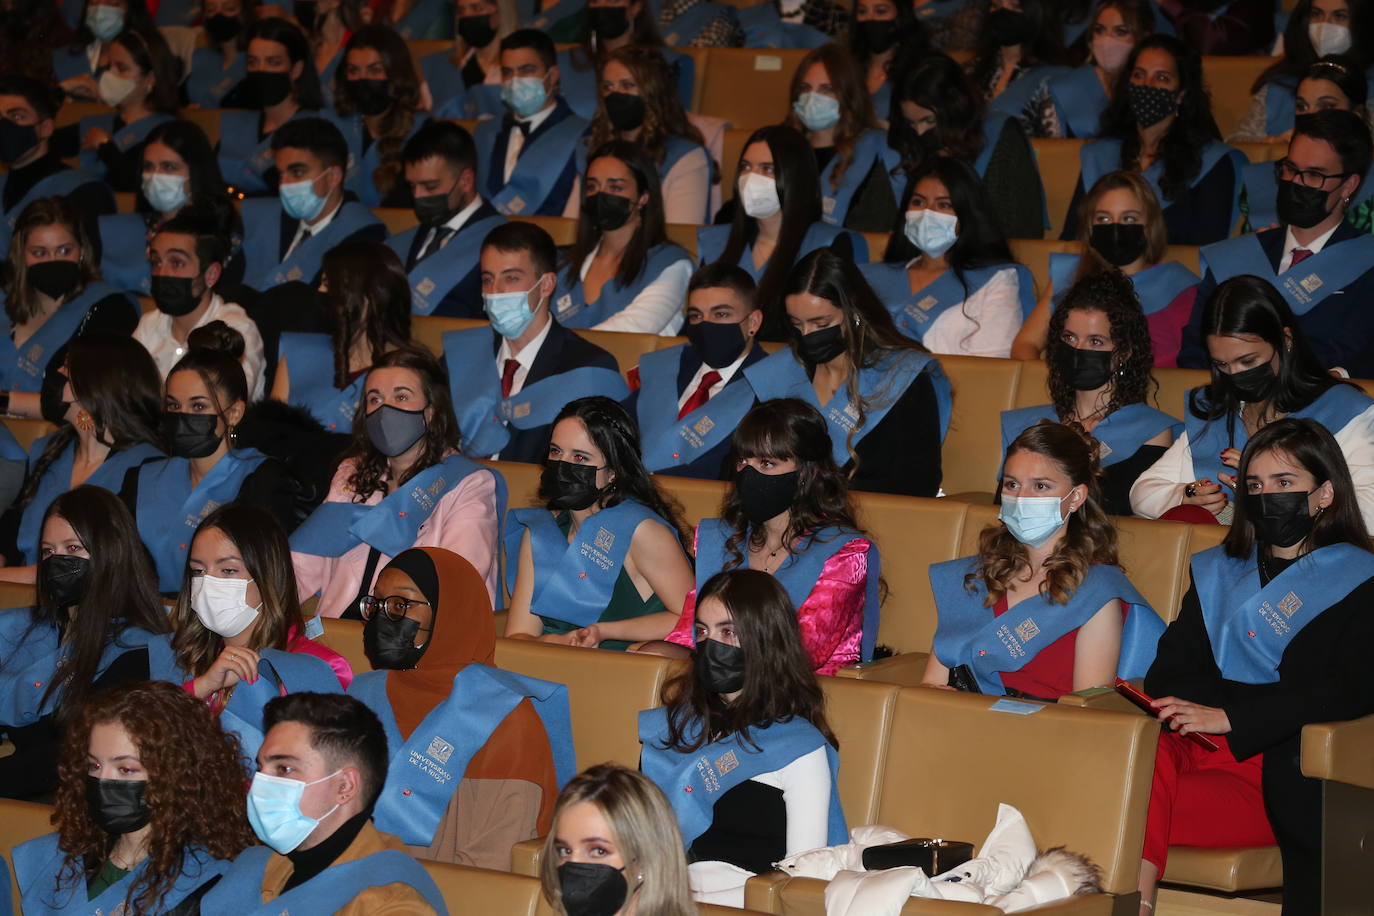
1143, 700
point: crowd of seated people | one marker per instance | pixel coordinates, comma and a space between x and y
281, 285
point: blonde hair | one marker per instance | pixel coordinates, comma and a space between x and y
644, 830
1156, 236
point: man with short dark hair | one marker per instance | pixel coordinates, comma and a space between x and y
321, 766
440, 254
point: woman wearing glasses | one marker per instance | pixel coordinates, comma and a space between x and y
430, 636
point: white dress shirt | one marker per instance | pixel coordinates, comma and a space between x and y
154, 331
658, 307
517, 138
456, 222
725, 375
1315, 246
303, 229
525, 357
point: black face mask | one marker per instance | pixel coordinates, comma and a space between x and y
763, 496
625, 109
1300, 206
1009, 27
476, 30
62, 579
1280, 519
878, 34
222, 28
719, 667
118, 806
175, 296
433, 210
16, 140
929, 142
1251, 385
608, 22
1118, 243
1150, 104
717, 343
1085, 370
589, 889
606, 211
393, 431
55, 279
371, 97
50, 403
569, 486
263, 90
304, 11
390, 644
190, 435
820, 346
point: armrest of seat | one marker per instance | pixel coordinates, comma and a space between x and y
904, 669
764, 892
1098, 698
525, 856
1340, 751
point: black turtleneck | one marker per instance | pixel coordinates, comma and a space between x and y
307, 863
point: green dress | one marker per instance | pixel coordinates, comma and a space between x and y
109, 875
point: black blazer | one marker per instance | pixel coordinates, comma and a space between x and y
465, 299
902, 453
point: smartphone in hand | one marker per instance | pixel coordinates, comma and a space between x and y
1143, 700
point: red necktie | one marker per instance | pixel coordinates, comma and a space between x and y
508, 376
1299, 255
701, 395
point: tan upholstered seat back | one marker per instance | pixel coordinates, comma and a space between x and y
982, 388
698, 498
346, 638
860, 715
482, 890
767, 74
522, 483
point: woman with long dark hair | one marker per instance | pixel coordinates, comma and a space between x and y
279, 84
599, 503
1018, 50
149, 808
402, 483
97, 623
1071, 104
885, 398
1052, 557
220, 64
622, 273
369, 299
1262, 369
76, 66
1099, 360
878, 31
777, 218
750, 697
613, 26
1233, 669
948, 275
1160, 124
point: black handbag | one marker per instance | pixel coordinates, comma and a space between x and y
934, 857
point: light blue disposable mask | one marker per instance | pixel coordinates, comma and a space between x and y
817, 112
510, 313
105, 22
932, 232
165, 192
1032, 520
524, 94
274, 810
299, 199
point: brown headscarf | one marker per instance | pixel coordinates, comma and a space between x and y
465, 633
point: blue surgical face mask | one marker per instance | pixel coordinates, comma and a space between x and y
299, 199
105, 22
816, 111
274, 810
524, 94
165, 192
932, 232
510, 313
1032, 520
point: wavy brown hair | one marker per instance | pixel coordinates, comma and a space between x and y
664, 115
856, 105
1111, 293
21, 302
194, 791
369, 296
404, 87
1089, 540
1156, 235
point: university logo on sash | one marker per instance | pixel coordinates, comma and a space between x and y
604, 539
703, 426
1027, 629
440, 749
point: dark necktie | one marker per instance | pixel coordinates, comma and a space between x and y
508, 376
1299, 255
701, 395
436, 241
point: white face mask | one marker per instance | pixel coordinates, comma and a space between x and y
115, 89
1329, 38
222, 604
759, 194
1111, 53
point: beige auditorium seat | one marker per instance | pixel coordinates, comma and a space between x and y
1228, 80
766, 74
1058, 165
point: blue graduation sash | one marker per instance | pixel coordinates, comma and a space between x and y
279, 673
570, 301
392, 525
422, 19
915, 313
577, 83
682, 31
483, 414
694, 782
573, 580
363, 163
780, 375
124, 252
1262, 194
477, 102
1102, 156
38, 862
125, 138
1120, 434
58, 184
310, 371
1280, 105
31, 656
1306, 286
23, 371
668, 442
871, 147
1080, 100
1019, 92
239, 892
262, 242
711, 242
882, 105
1156, 287
1336, 407
243, 158
169, 511
426, 769
58, 480
967, 633
1250, 628
209, 82
68, 62
561, 10
763, 28
433, 277
800, 571
938, 9
537, 170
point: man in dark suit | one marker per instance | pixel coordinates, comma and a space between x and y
509, 382
689, 398
1320, 263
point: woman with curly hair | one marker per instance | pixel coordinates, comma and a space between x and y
401, 484
1160, 124
1099, 361
599, 503
149, 811
1052, 557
